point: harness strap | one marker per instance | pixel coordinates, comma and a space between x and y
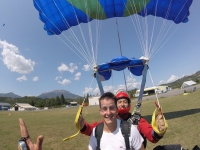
125, 129
98, 134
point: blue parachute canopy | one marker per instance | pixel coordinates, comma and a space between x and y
60, 15
135, 66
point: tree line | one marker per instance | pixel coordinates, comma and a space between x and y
47, 102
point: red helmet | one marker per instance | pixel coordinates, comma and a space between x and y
123, 94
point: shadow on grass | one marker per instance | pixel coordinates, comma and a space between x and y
176, 114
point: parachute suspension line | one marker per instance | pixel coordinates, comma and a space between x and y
63, 35
60, 31
98, 26
155, 91
90, 35
83, 37
121, 51
162, 29
137, 26
119, 40
157, 49
152, 33
145, 31
73, 35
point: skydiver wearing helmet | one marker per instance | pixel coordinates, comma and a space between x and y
124, 106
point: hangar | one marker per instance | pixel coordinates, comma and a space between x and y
4, 106
22, 107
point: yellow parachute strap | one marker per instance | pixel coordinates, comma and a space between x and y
76, 123
153, 123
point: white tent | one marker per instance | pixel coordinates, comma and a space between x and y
188, 84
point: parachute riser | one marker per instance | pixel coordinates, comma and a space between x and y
97, 76
135, 116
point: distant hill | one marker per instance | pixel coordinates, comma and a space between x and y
55, 93
177, 84
11, 95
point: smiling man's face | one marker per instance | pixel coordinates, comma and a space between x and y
108, 110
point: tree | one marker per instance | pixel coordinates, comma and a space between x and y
58, 102
62, 99
32, 103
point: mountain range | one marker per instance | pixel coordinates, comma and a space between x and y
52, 94
55, 93
176, 84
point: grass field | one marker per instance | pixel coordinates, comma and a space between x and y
181, 112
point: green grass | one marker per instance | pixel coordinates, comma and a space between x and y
181, 112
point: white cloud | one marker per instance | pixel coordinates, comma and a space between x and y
130, 79
35, 79
22, 78
14, 61
58, 77
131, 83
172, 78
64, 67
108, 88
77, 76
96, 91
86, 67
162, 82
64, 82
87, 90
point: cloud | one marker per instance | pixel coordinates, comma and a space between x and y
171, 79
130, 79
86, 67
162, 82
64, 82
58, 77
22, 78
105, 88
35, 79
64, 67
108, 88
14, 61
77, 76
87, 90
96, 91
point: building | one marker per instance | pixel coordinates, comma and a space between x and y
163, 89
73, 103
22, 107
4, 106
153, 90
94, 100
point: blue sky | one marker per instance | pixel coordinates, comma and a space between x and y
33, 62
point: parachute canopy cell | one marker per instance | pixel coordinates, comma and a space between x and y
135, 66
60, 15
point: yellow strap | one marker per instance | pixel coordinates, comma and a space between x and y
153, 123
76, 123
72, 136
